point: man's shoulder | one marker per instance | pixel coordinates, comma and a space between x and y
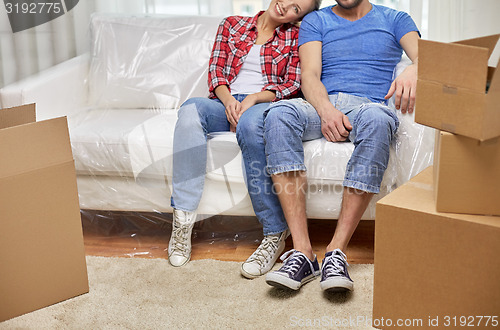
318, 14
387, 12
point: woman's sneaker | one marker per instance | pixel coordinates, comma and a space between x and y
296, 271
334, 275
264, 258
179, 246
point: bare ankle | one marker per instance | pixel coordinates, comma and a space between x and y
331, 247
307, 252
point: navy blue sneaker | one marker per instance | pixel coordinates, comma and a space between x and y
296, 271
334, 275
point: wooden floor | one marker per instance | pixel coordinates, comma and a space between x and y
117, 234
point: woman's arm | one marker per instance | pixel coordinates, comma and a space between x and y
218, 58
291, 78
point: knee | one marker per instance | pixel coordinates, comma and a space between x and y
284, 114
248, 127
191, 112
378, 119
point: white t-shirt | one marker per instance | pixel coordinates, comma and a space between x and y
250, 79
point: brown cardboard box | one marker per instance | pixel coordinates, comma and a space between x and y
434, 270
467, 174
451, 87
42, 255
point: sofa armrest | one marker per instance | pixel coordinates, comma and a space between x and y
414, 143
57, 91
414, 147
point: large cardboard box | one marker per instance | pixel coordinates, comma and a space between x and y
457, 91
42, 255
434, 270
467, 174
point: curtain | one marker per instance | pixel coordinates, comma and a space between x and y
27, 52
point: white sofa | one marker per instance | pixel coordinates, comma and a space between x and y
121, 101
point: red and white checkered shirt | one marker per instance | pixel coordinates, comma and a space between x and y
279, 56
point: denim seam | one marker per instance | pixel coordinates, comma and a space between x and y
285, 168
361, 186
277, 232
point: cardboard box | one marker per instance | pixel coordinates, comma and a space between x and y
42, 255
457, 91
467, 174
433, 270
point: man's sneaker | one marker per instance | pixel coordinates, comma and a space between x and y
179, 246
264, 258
296, 271
334, 275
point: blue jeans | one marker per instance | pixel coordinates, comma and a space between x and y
288, 123
197, 118
250, 136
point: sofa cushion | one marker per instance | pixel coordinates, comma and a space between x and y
149, 62
138, 143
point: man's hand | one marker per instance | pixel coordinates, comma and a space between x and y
404, 87
335, 125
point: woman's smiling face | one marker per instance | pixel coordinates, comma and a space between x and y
286, 11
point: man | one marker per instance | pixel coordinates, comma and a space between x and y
348, 53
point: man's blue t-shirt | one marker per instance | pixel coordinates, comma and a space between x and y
358, 57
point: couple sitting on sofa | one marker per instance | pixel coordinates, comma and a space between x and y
347, 56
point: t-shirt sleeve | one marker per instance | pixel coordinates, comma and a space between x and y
310, 29
403, 24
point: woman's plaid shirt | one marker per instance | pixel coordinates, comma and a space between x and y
279, 56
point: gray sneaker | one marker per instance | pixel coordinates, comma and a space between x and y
264, 258
179, 246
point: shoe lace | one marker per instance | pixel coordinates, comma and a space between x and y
292, 261
334, 264
180, 239
265, 251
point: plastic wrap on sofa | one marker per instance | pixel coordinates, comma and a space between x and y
140, 70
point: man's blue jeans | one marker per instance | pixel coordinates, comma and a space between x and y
197, 118
288, 123
272, 144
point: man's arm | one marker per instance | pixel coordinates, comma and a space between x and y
335, 126
405, 85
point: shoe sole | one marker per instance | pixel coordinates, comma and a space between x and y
282, 282
278, 253
248, 275
185, 262
336, 285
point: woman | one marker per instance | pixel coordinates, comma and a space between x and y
254, 61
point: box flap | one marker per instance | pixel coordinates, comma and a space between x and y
33, 146
421, 190
453, 65
17, 116
488, 42
495, 81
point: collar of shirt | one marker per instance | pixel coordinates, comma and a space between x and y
280, 30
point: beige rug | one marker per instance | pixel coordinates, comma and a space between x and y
128, 293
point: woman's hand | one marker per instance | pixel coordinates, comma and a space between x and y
247, 102
233, 108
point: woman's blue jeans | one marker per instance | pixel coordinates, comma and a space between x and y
197, 118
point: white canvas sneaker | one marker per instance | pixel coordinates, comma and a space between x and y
179, 246
264, 258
